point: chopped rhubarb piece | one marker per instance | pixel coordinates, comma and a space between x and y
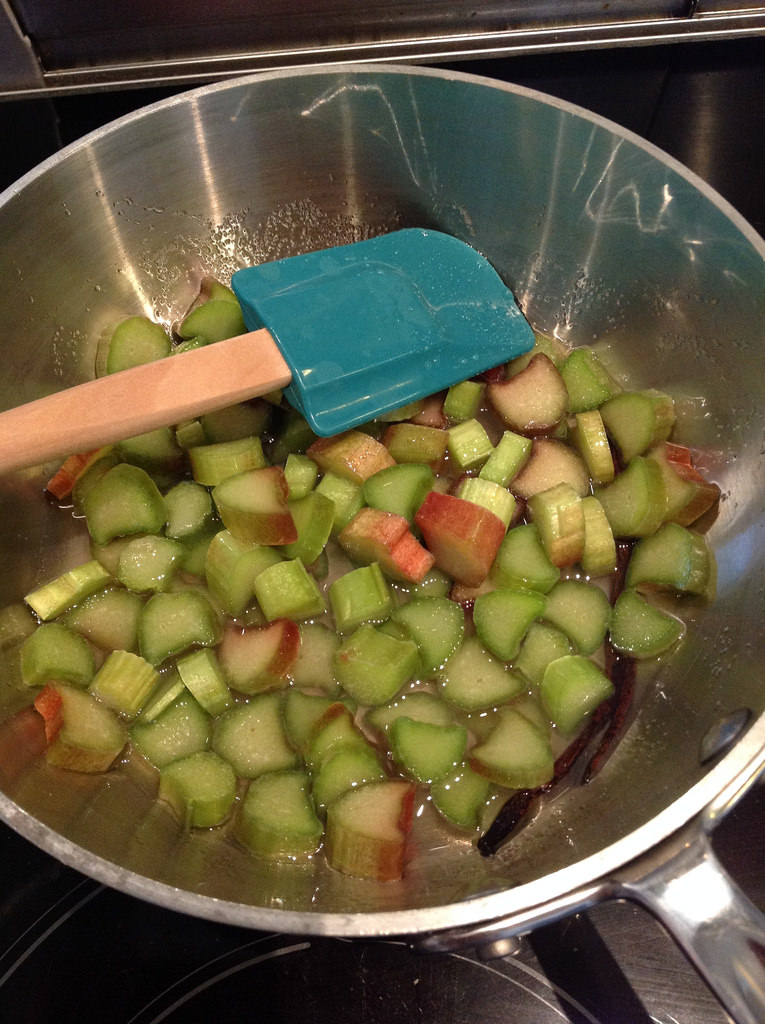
557, 513
367, 828
678, 453
259, 658
254, 506
432, 412
82, 734
534, 400
49, 704
353, 455
462, 537
63, 480
413, 442
551, 462
689, 494
384, 537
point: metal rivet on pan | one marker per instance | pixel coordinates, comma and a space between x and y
723, 734
499, 948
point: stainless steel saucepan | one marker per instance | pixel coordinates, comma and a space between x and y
604, 240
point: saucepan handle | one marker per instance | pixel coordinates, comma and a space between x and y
682, 883
720, 931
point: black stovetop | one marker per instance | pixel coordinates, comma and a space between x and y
73, 951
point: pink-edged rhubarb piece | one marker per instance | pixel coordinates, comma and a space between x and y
462, 537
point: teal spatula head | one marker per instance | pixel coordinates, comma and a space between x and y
371, 326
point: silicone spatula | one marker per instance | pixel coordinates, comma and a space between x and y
351, 332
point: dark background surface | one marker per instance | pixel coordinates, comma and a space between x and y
71, 950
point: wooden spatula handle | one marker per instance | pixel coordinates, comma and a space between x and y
134, 401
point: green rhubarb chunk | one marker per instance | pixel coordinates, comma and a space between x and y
277, 820
195, 551
502, 618
399, 489
123, 502
542, 644
190, 434
490, 495
231, 567
522, 561
588, 383
599, 552
109, 619
437, 626
16, 624
150, 564
287, 590
180, 729
334, 731
473, 679
201, 789
674, 558
346, 495
214, 320
251, 737
426, 751
302, 711
413, 442
314, 517
172, 622
571, 688
211, 288
507, 459
638, 420
463, 401
124, 682
211, 464
372, 666
434, 584
469, 445
55, 652
203, 678
109, 554
635, 501
582, 611
53, 598
301, 474
314, 665
642, 630
243, 419
545, 344
419, 705
188, 346
515, 754
94, 471
167, 691
589, 435
359, 596
135, 341
156, 451
189, 509
293, 434
557, 512
528, 704
460, 795
345, 769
